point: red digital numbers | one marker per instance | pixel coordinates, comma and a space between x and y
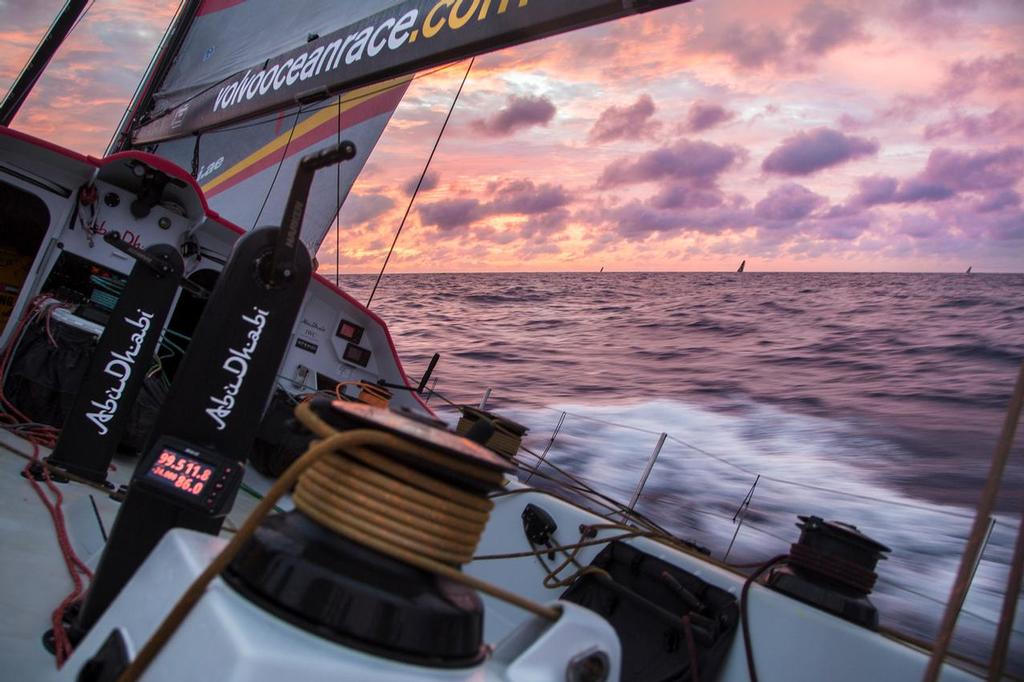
184, 473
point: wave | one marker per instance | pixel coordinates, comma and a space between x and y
807, 465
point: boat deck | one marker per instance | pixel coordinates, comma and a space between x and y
35, 580
33, 577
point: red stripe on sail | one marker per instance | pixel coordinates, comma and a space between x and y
211, 6
364, 111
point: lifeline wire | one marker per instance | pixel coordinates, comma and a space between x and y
420, 181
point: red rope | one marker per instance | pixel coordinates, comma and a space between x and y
691, 648
76, 567
45, 435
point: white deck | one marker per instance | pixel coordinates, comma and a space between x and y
33, 578
791, 641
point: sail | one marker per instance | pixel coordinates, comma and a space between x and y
249, 87
246, 171
222, 72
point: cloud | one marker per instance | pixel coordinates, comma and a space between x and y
519, 113
700, 163
787, 39
842, 227
684, 196
921, 226
1002, 74
990, 75
362, 208
632, 122
705, 115
789, 202
749, 47
541, 226
810, 151
979, 171
525, 198
637, 220
430, 181
449, 214
1001, 121
543, 204
996, 201
825, 28
877, 190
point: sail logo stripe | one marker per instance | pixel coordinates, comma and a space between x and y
354, 102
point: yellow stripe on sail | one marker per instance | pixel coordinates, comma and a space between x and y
348, 100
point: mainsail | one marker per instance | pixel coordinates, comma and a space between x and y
250, 86
246, 167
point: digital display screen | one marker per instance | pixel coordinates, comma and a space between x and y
350, 332
184, 472
354, 353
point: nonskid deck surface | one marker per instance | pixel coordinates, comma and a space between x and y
33, 577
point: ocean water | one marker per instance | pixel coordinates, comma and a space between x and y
873, 399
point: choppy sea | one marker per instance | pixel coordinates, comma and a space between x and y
873, 399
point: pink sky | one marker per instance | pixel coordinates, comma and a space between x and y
796, 135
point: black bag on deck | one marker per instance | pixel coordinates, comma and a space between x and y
645, 602
45, 374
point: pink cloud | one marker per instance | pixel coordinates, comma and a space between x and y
430, 181
1004, 73
811, 151
787, 203
983, 170
695, 161
518, 114
705, 115
879, 190
523, 197
824, 28
450, 214
542, 204
631, 122
1004, 120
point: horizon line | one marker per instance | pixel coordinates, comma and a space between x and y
679, 272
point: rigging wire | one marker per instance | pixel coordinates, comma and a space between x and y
337, 210
419, 183
43, 38
277, 171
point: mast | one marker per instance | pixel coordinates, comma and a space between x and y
59, 30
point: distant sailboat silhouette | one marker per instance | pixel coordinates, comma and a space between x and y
969, 269
742, 265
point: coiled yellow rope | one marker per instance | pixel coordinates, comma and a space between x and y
323, 494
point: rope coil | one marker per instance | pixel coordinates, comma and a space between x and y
369, 497
322, 508
832, 567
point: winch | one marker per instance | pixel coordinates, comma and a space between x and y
334, 566
361, 580
832, 566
